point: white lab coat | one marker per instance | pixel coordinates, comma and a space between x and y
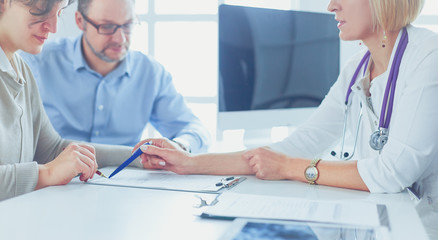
411, 153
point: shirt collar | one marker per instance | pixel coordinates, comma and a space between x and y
79, 61
5, 66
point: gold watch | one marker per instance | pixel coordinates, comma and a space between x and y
311, 173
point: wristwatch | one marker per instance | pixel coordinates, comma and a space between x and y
311, 173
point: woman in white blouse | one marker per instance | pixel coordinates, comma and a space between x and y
403, 150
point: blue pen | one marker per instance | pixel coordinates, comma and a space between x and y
135, 155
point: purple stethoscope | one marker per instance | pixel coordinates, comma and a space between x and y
378, 138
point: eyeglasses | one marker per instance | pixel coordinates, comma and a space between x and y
109, 29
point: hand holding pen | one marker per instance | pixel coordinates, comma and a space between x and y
75, 159
171, 159
151, 161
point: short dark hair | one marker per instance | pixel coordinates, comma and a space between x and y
41, 7
83, 6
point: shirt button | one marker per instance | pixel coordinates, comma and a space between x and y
97, 133
100, 107
358, 88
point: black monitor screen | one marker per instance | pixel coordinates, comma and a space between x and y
270, 59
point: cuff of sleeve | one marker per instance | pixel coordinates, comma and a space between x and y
377, 179
365, 174
183, 143
26, 177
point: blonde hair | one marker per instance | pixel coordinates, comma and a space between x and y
391, 15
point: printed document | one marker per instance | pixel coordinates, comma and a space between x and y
232, 205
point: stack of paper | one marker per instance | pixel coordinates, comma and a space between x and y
231, 205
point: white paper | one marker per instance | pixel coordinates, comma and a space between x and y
232, 204
158, 179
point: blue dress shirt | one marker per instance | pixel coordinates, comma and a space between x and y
113, 109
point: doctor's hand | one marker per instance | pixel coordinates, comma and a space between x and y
152, 161
73, 160
268, 164
170, 159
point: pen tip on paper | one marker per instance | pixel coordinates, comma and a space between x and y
101, 174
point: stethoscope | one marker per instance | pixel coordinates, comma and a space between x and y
379, 138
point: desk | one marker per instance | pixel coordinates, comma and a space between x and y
86, 211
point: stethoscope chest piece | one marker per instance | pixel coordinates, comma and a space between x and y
379, 138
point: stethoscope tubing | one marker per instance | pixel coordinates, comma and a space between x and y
349, 156
390, 86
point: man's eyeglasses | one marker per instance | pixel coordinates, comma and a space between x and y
109, 29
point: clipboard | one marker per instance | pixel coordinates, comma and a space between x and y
166, 180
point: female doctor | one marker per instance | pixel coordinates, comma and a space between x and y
381, 110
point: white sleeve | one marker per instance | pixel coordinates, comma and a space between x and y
413, 136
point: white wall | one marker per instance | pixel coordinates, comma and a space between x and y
66, 24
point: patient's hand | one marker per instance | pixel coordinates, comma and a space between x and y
76, 158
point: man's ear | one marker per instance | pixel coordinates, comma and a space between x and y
79, 20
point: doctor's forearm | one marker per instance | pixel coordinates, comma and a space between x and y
342, 174
221, 164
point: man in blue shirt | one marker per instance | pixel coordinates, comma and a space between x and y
95, 89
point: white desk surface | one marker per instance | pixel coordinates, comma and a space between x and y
86, 211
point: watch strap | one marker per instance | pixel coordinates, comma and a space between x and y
314, 162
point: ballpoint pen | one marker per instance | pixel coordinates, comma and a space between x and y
100, 174
135, 155
234, 182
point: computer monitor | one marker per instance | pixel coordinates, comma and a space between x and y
275, 66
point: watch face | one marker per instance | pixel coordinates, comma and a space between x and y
311, 173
